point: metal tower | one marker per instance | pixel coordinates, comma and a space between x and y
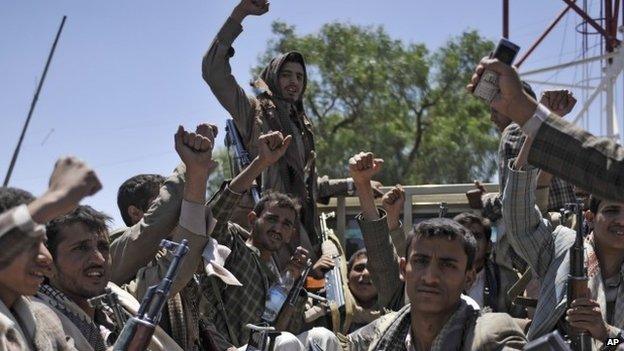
611, 59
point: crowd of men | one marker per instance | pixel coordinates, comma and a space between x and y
494, 278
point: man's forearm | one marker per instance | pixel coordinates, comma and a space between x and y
244, 180
44, 209
367, 200
238, 15
195, 187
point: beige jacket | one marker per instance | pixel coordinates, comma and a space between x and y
38, 328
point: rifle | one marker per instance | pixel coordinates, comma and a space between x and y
234, 140
333, 277
290, 305
261, 337
443, 210
137, 332
580, 340
110, 299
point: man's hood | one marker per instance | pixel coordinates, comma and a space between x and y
268, 82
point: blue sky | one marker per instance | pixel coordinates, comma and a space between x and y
126, 73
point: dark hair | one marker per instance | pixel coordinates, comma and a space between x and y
281, 201
594, 203
95, 221
466, 219
359, 253
138, 191
527, 89
13, 197
443, 228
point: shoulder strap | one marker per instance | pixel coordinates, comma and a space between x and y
221, 306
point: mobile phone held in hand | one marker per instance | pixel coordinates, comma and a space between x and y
487, 88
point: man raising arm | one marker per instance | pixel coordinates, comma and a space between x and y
594, 164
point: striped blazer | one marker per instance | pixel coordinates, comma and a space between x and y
569, 152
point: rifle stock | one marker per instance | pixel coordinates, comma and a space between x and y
135, 336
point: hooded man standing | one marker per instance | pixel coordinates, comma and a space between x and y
277, 107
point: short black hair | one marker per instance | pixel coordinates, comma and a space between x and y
359, 253
594, 203
13, 197
138, 191
281, 200
467, 218
95, 221
444, 228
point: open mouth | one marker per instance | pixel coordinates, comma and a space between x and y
94, 273
37, 275
275, 236
292, 90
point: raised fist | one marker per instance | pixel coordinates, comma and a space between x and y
272, 146
392, 202
71, 181
363, 166
561, 102
195, 149
252, 7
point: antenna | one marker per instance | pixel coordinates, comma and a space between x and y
33, 103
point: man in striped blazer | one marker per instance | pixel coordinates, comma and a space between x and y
592, 163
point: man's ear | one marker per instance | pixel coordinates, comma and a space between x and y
589, 216
402, 265
135, 213
252, 217
471, 275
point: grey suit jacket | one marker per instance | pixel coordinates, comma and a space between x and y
592, 163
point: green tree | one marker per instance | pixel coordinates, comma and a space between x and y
368, 91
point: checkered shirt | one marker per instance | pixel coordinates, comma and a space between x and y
560, 192
241, 304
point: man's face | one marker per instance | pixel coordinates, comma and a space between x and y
275, 226
82, 262
291, 80
609, 225
483, 245
359, 281
435, 274
26, 272
501, 121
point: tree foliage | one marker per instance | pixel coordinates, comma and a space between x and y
368, 91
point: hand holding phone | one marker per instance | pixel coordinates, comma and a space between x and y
487, 88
